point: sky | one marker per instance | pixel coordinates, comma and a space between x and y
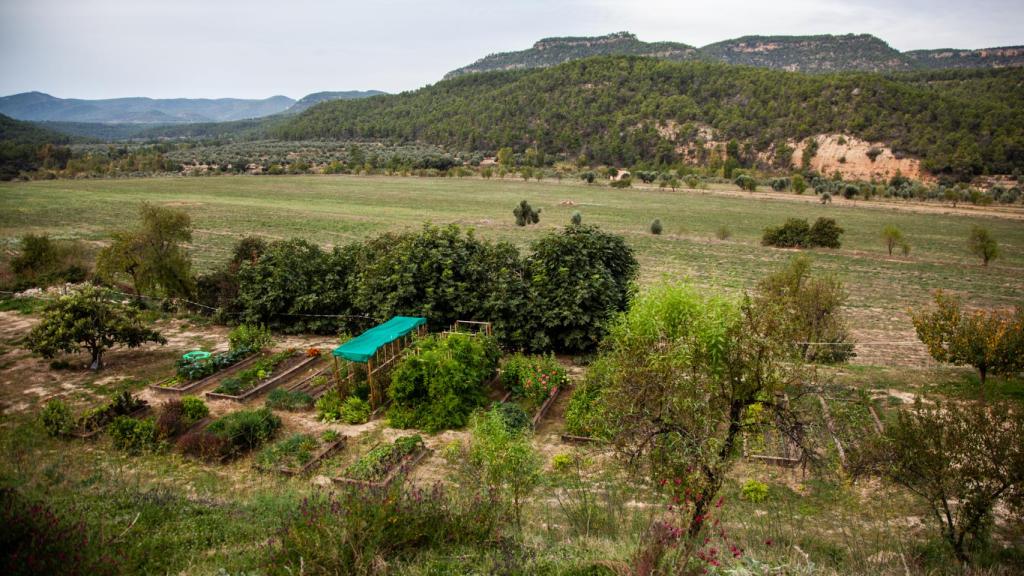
261, 48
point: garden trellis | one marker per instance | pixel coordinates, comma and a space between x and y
377, 348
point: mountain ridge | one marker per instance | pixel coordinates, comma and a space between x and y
812, 53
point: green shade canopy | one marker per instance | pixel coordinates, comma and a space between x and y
363, 347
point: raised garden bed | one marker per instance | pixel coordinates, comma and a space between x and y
315, 384
262, 376
94, 421
534, 383
379, 467
539, 411
175, 384
299, 453
573, 439
229, 436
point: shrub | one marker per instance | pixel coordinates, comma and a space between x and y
328, 406
588, 177
723, 232
246, 429
170, 420
754, 491
441, 380
792, 234
205, 445
355, 410
194, 409
825, 233
57, 419
513, 415
133, 434
585, 415
42, 261
656, 226
281, 399
525, 214
562, 462
873, 153
121, 405
624, 182
508, 461
746, 182
250, 337
796, 233
799, 185
577, 218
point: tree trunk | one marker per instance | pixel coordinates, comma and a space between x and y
982, 373
97, 359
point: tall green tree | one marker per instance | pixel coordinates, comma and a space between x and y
88, 320
152, 255
982, 244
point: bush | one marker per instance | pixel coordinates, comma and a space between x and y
982, 244
577, 218
792, 234
624, 182
205, 445
250, 337
441, 380
796, 233
656, 226
246, 429
825, 233
290, 400
355, 410
133, 434
746, 182
122, 404
723, 233
328, 406
513, 415
194, 409
56, 418
525, 214
42, 262
754, 491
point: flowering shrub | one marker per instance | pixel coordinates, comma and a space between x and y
313, 352
532, 378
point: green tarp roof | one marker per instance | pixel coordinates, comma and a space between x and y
363, 347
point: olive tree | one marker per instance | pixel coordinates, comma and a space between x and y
983, 245
893, 237
685, 371
992, 341
88, 319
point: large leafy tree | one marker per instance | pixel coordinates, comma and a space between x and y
152, 255
992, 341
581, 278
89, 320
684, 373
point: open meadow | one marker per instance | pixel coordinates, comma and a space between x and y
166, 513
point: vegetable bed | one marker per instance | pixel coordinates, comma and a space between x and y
195, 376
261, 376
384, 462
299, 453
94, 421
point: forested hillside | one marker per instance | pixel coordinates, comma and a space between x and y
621, 110
24, 146
820, 53
554, 51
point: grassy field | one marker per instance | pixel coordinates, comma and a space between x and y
336, 210
164, 513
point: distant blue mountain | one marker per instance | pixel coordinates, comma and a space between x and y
37, 106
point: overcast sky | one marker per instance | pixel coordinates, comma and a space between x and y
259, 48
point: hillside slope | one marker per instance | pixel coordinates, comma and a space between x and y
37, 106
822, 53
315, 98
621, 110
554, 51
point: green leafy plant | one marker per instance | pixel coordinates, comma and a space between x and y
292, 452
250, 337
194, 409
250, 377
56, 417
134, 435
532, 378
122, 404
441, 380
754, 491
375, 464
246, 429
354, 410
291, 400
513, 415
